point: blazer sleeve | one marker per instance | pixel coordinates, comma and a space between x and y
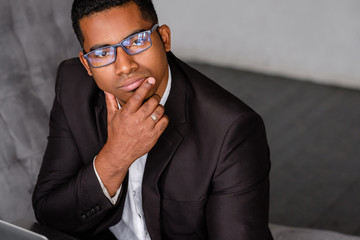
67, 195
238, 205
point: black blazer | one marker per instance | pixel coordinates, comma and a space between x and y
207, 177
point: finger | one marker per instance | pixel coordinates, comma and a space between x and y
161, 125
150, 105
137, 99
157, 114
111, 104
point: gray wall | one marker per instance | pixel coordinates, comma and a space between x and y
35, 36
316, 40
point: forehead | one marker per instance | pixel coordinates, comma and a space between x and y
112, 25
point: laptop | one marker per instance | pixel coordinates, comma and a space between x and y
10, 231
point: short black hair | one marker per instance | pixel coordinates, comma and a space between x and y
84, 8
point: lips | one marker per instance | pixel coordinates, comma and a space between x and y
132, 84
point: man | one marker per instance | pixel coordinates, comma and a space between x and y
142, 146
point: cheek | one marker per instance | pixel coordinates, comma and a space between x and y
156, 63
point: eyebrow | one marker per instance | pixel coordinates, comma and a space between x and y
97, 46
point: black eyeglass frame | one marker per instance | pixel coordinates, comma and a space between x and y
120, 44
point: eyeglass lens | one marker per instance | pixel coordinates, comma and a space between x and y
131, 45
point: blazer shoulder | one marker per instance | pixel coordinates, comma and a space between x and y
73, 81
207, 98
70, 68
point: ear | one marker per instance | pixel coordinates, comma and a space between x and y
165, 34
85, 63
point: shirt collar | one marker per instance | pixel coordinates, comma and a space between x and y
167, 90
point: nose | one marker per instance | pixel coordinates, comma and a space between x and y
124, 63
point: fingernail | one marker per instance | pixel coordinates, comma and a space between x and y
151, 81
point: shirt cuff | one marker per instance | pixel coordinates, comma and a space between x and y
111, 199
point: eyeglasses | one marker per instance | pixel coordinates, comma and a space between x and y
132, 45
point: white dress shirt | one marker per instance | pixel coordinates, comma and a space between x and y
132, 225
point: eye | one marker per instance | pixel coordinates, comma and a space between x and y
140, 40
101, 53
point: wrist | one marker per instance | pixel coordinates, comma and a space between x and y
111, 161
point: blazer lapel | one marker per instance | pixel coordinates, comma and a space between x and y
101, 118
163, 151
157, 160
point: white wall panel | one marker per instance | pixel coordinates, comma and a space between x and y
317, 40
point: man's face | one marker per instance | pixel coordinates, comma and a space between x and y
126, 74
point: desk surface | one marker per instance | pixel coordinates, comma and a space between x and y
51, 234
